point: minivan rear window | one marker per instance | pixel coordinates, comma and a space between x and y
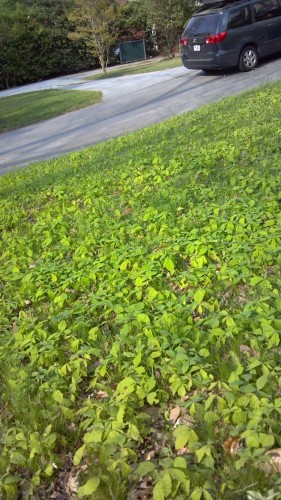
199, 25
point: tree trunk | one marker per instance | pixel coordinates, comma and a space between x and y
103, 64
6, 78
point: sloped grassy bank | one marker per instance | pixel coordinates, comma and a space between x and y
141, 312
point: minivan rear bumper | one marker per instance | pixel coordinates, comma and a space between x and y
217, 60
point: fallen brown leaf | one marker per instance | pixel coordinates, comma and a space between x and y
184, 451
71, 484
100, 395
150, 454
246, 349
174, 414
185, 419
232, 445
274, 463
127, 211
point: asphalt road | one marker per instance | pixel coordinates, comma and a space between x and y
129, 103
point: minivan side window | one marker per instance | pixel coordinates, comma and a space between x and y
239, 18
266, 10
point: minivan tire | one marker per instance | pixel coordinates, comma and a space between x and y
248, 59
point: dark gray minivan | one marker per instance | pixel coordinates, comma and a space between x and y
227, 34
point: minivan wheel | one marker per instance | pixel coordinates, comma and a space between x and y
248, 59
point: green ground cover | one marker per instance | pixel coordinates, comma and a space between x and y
146, 67
141, 312
25, 109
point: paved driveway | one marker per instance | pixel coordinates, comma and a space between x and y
130, 103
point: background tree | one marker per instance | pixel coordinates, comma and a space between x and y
12, 32
134, 24
95, 22
34, 41
169, 18
51, 25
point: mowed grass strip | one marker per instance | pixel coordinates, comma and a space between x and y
25, 109
147, 67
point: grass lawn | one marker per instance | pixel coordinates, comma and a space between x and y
141, 313
25, 109
145, 67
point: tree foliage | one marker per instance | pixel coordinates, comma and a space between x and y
43, 38
169, 18
34, 42
95, 22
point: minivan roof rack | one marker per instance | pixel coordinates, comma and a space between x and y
217, 3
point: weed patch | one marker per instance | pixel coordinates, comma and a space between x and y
141, 312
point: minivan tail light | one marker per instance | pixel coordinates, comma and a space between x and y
184, 41
219, 37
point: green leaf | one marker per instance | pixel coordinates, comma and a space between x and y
274, 340
152, 398
255, 495
62, 325
248, 388
49, 470
201, 452
126, 386
137, 360
266, 440
124, 265
95, 436
255, 280
253, 441
58, 396
163, 487
209, 401
193, 438
180, 463
184, 435
169, 265
143, 318
133, 432
17, 458
178, 475
139, 281
262, 381
181, 434
145, 468
254, 364
196, 493
204, 353
210, 417
158, 492
78, 455
11, 479
152, 293
207, 495
199, 295
89, 487
120, 414
115, 437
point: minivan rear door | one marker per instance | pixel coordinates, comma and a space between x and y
196, 31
